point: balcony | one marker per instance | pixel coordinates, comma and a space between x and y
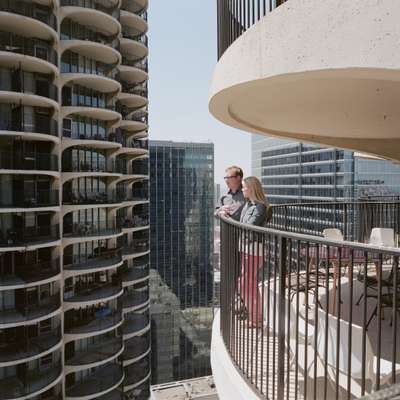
29, 312
105, 258
140, 193
43, 14
99, 319
28, 161
42, 123
137, 221
134, 274
30, 199
28, 382
97, 353
135, 323
137, 246
136, 373
137, 7
29, 236
98, 166
99, 382
29, 347
309, 304
135, 298
80, 229
140, 64
136, 347
260, 69
12, 43
82, 197
93, 4
30, 273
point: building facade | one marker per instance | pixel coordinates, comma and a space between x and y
74, 222
293, 172
181, 285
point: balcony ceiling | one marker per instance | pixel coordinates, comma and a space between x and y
331, 76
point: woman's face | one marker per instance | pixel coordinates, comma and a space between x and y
246, 191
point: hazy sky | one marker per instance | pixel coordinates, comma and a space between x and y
182, 45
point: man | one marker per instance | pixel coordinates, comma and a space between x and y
232, 203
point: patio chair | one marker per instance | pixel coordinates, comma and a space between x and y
355, 368
379, 237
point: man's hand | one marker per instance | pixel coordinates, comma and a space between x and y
225, 210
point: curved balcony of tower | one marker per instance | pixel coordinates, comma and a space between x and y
135, 297
29, 342
32, 378
94, 320
136, 323
98, 256
29, 305
136, 348
100, 381
81, 355
137, 373
135, 271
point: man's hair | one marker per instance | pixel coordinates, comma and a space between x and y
237, 170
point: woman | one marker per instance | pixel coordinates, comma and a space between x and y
256, 211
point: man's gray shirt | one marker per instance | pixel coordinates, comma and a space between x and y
236, 199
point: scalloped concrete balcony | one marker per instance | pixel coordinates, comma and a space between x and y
331, 78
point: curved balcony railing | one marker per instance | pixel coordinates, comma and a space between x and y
100, 319
39, 124
100, 380
137, 246
28, 161
137, 221
108, 166
27, 46
235, 17
93, 4
135, 298
27, 312
134, 88
135, 323
140, 64
88, 34
134, 7
136, 372
136, 346
32, 272
103, 259
26, 383
90, 197
304, 308
140, 193
111, 137
31, 10
95, 353
136, 273
38, 198
134, 34
39, 87
100, 228
22, 348
15, 236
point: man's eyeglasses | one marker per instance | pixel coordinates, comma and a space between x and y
230, 177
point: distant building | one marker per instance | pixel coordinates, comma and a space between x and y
181, 284
293, 172
217, 193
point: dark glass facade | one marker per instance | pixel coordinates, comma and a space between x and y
181, 279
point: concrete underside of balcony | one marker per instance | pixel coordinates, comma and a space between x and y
331, 78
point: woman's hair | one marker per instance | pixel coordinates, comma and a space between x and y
255, 186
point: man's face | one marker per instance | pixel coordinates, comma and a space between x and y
232, 180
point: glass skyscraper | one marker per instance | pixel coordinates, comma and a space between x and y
181, 279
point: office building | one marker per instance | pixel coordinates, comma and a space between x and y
181, 286
293, 172
74, 223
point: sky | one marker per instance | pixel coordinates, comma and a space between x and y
182, 57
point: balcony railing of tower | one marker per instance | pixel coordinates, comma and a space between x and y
36, 11
30, 199
28, 161
95, 196
308, 314
21, 236
112, 9
137, 221
140, 64
28, 47
135, 8
90, 228
236, 16
103, 257
135, 88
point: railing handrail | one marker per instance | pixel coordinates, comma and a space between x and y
363, 247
